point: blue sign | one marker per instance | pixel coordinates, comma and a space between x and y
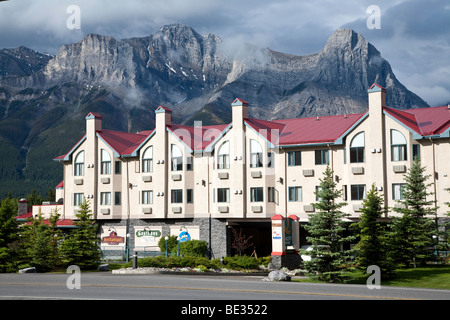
184, 236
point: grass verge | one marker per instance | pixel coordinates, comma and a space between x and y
432, 277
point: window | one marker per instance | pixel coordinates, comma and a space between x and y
117, 198
176, 196
147, 160
416, 151
105, 198
398, 191
271, 194
357, 148
322, 156
358, 191
117, 167
294, 158
105, 162
190, 163
223, 156
398, 146
177, 158
147, 197
295, 193
223, 195
256, 194
78, 198
189, 195
318, 189
271, 160
255, 154
79, 164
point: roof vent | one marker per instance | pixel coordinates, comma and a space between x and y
317, 119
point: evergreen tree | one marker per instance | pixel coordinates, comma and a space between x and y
39, 245
81, 247
326, 235
372, 247
411, 237
8, 234
55, 236
40, 242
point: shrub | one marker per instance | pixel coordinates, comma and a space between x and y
245, 262
171, 244
196, 248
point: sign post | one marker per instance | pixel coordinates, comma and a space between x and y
278, 236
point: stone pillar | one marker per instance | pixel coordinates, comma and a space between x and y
22, 207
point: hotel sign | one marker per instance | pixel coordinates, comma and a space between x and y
113, 239
148, 233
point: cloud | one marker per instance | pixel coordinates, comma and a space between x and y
415, 39
414, 35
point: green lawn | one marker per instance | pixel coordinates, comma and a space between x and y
433, 277
436, 277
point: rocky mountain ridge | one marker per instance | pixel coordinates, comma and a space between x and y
43, 97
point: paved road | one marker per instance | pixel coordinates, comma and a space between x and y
105, 285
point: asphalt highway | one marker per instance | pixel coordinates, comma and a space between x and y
105, 285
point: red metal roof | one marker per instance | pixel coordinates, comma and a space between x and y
305, 130
123, 143
197, 138
299, 131
424, 121
63, 223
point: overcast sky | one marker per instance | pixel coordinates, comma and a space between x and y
413, 35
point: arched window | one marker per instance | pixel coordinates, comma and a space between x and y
105, 160
357, 148
177, 158
255, 154
79, 164
223, 156
147, 160
398, 146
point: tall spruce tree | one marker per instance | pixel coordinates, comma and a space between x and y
372, 247
8, 234
411, 236
326, 230
40, 242
81, 246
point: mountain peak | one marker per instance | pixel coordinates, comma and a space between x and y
348, 39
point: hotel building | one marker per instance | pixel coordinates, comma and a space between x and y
208, 179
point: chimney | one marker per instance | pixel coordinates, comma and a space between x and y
22, 206
163, 117
377, 98
93, 124
240, 112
